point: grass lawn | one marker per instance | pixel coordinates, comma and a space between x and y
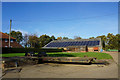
81, 54
65, 54
13, 54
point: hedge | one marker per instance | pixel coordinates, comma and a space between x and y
23, 50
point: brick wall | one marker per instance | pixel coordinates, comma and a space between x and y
13, 44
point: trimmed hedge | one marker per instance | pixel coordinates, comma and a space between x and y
23, 50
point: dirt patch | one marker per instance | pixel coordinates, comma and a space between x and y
52, 70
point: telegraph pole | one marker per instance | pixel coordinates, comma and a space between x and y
10, 32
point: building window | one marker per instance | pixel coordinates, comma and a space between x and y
11, 40
6, 40
6, 46
95, 50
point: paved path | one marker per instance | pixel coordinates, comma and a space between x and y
114, 55
116, 58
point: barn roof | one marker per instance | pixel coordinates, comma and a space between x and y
5, 36
81, 42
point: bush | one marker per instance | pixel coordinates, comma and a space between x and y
23, 50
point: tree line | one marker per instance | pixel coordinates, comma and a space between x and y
110, 41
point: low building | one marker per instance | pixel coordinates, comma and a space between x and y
82, 45
5, 41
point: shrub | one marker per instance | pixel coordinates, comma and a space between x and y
23, 50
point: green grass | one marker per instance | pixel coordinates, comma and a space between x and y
65, 54
112, 50
80, 54
13, 54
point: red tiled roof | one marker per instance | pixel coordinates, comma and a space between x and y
5, 36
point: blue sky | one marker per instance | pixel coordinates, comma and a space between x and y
84, 19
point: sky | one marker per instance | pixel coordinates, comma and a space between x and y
65, 19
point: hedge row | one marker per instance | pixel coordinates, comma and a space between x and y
23, 50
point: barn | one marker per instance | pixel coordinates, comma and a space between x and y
81, 45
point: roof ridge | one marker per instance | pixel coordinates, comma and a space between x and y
78, 40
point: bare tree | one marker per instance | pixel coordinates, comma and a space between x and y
25, 40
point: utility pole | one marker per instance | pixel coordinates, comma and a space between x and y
10, 32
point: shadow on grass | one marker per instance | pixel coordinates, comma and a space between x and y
60, 55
